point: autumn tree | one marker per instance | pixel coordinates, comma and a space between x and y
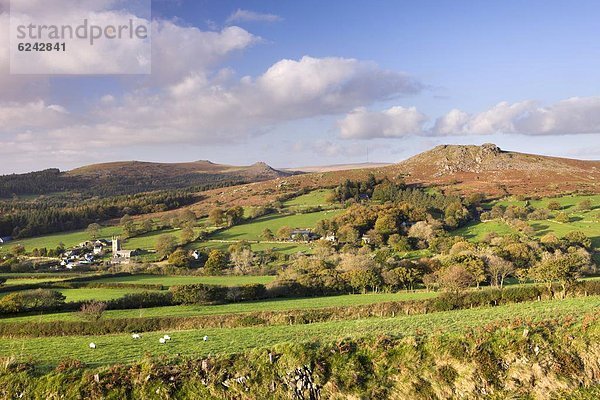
560, 267
216, 263
128, 225
216, 216
284, 233
234, 215
179, 258
93, 231
454, 278
165, 245
363, 280
242, 261
187, 235
348, 234
498, 269
267, 234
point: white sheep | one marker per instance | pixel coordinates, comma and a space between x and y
92, 345
205, 338
162, 340
136, 336
167, 337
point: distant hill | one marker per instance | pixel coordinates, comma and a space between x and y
339, 167
128, 177
450, 168
489, 169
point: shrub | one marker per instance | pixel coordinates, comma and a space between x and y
142, 300
32, 300
92, 311
562, 217
253, 292
199, 294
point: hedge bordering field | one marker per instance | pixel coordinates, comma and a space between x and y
444, 302
550, 359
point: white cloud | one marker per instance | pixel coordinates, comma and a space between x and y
576, 115
391, 123
23, 116
178, 51
201, 109
571, 116
502, 118
241, 15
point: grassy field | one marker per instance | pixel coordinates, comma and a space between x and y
148, 240
99, 294
312, 199
254, 229
27, 281
236, 308
584, 221
122, 348
569, 203
69, 239
172, 280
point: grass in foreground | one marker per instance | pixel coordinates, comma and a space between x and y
235, 308
122, 348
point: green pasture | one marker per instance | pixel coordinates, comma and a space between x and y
585, 221
122, 348
311, 199
98, 294
69, 239
236, 308
254, 229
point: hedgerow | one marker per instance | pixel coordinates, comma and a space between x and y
551, 359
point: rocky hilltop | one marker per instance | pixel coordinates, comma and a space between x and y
489, 168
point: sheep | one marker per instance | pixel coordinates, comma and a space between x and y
136, 336
92, 345
205, 338
167, 337
162, 340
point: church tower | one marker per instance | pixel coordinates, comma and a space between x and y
116, 245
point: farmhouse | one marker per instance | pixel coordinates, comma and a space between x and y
303, 234
99, 246
331, 237
5, 239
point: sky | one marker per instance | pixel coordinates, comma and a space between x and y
301, 83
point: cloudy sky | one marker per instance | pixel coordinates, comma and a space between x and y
297, 83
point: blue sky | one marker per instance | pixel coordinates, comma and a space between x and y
314, 83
